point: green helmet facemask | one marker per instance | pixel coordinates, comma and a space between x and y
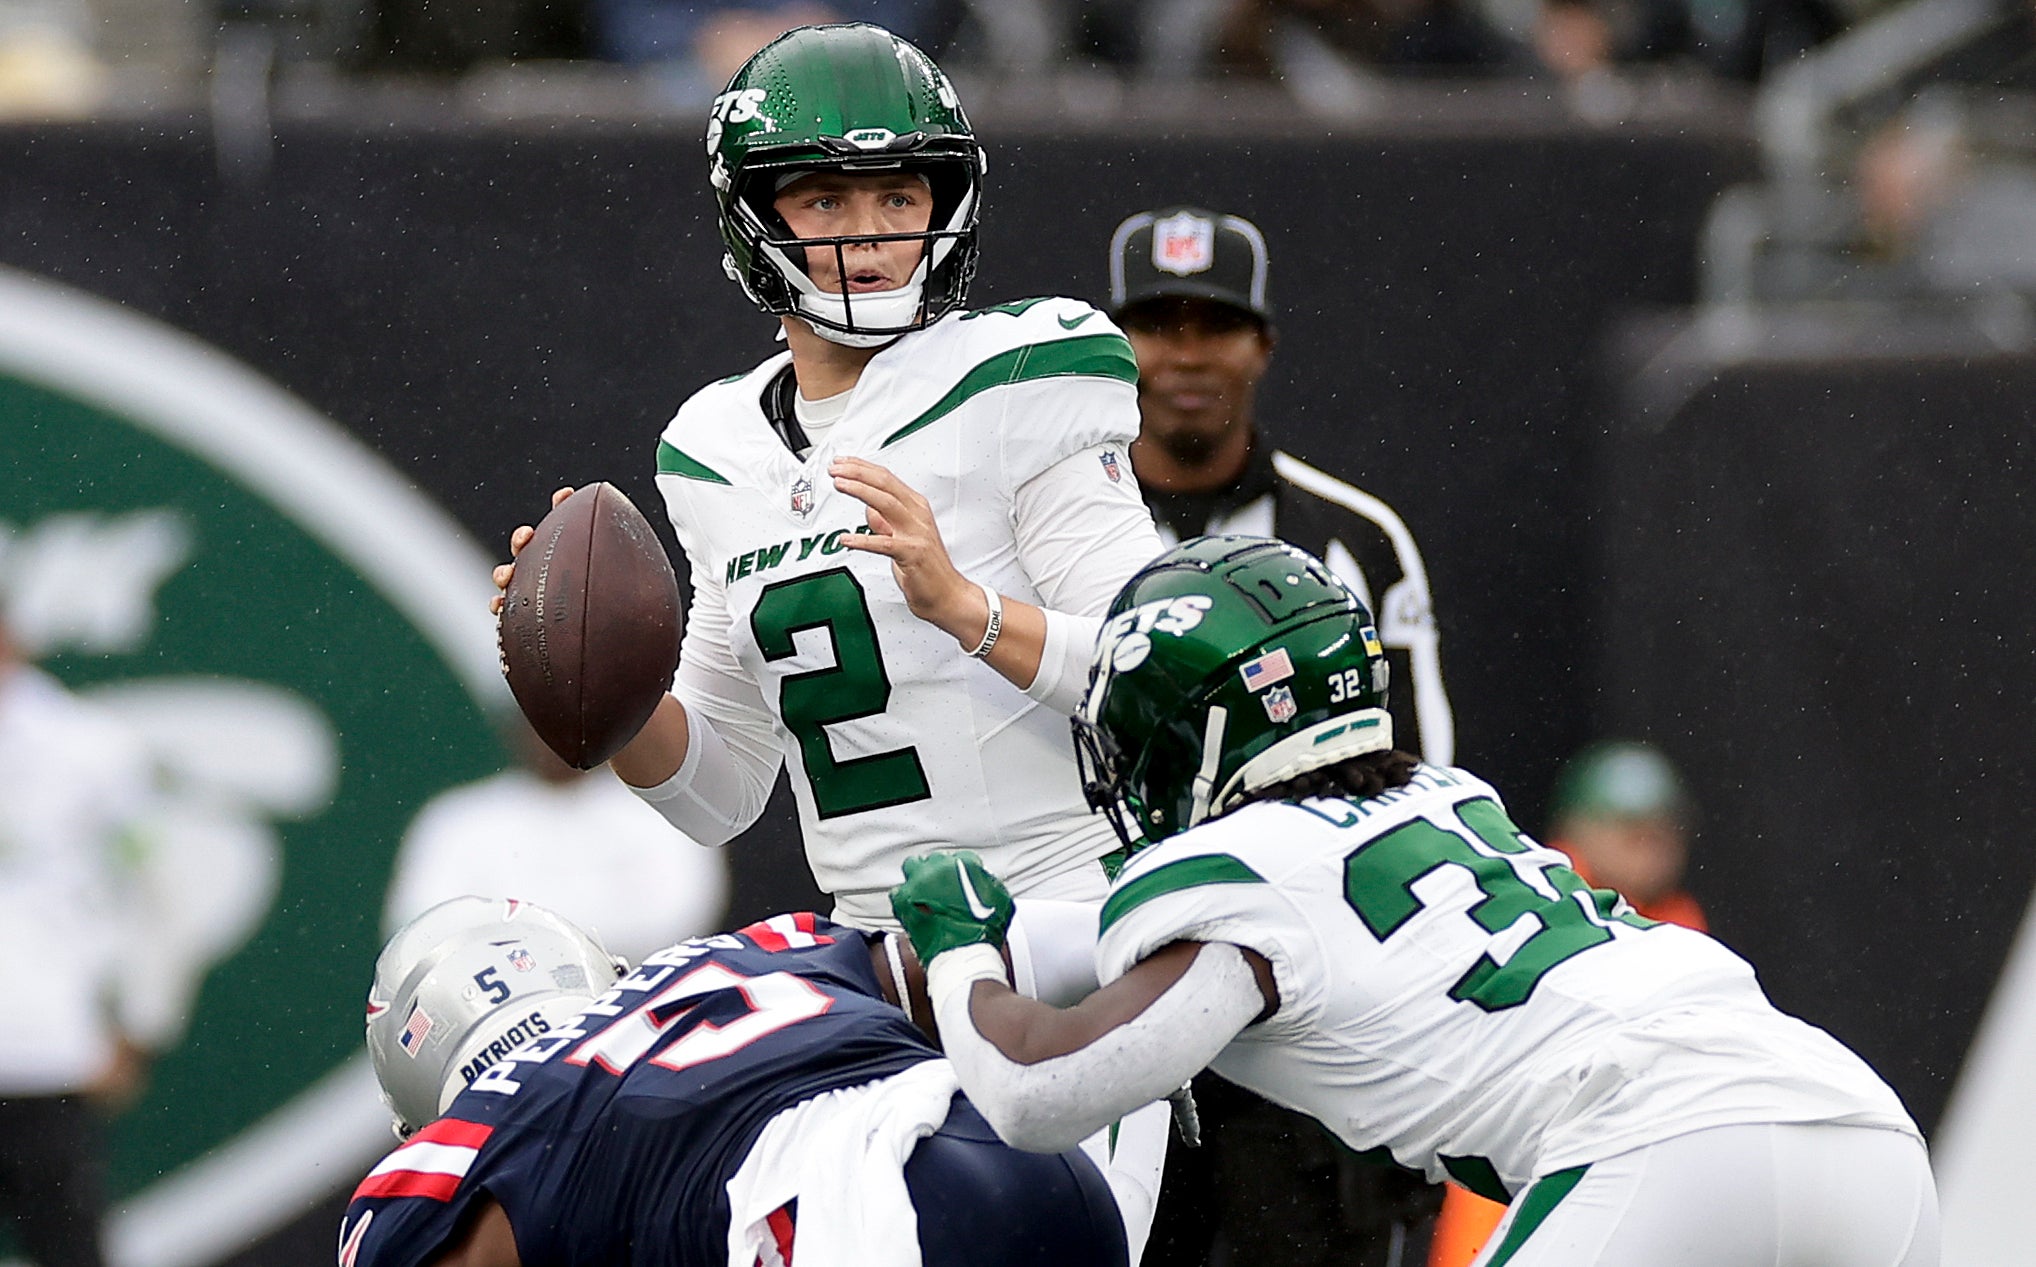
1227, 665
849, 98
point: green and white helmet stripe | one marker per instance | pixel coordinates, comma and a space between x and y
1227, 665
852, 97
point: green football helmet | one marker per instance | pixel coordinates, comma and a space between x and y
845, 98
1226, 665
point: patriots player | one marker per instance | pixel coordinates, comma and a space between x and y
1349, 932
734, 1100
904, 528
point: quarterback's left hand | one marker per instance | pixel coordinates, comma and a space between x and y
903, 529
949, 899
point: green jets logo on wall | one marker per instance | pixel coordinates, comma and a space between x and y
301, 640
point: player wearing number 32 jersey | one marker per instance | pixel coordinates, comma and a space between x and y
1371, 941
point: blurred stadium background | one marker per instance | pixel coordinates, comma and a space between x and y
1693, 339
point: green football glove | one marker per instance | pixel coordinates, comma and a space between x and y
950, 899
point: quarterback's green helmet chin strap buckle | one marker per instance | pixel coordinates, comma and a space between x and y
1212, 757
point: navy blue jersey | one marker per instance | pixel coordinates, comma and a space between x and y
612, 1140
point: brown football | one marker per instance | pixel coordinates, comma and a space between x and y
590, 626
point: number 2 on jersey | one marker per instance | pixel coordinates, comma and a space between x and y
1543, 931
855, 686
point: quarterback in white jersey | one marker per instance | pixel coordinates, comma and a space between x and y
907, 489
1371, 941
1013, 424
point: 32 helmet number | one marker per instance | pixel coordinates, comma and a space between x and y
1538, 914
1347, 685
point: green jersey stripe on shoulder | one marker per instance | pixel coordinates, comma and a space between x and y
1185, 874
672, 462
1090, 356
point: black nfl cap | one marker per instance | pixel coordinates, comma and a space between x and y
1187, 252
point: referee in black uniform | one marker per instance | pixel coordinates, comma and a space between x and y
1189, 288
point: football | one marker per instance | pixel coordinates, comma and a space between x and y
590, 626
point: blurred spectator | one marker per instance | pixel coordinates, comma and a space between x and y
703, 44
73, 789
578, 843
453, 35
1621, 813
1950, 218
1572, 39
48, 68
1449, 36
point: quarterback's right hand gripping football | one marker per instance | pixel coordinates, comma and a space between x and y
948, 900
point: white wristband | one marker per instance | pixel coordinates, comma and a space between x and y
996, 625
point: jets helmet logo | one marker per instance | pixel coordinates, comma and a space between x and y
1127, 639
741, 106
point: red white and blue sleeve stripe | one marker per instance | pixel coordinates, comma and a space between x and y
430, 1165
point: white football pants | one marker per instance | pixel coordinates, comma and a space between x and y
1768, 1195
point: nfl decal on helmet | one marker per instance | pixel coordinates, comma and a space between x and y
849, 98
1228, 664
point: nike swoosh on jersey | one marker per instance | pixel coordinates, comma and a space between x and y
1065, 324
968, 891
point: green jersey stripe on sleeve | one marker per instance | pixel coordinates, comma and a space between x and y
672, 462
1174, 876
1090, 356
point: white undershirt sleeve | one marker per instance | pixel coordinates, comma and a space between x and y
1053, 949
1080, 536
1054, 1104
732, 750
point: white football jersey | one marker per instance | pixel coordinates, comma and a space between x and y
1452, 992
897, 741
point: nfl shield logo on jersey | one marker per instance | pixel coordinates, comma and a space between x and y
1183, 244
522, 960
1279, 704
1111, 467
802, 497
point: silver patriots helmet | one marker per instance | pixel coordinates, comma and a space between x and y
466, 983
